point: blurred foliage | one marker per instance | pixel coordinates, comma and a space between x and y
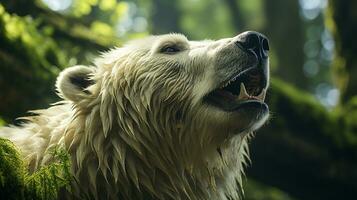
20, 38
194, 20
307, 151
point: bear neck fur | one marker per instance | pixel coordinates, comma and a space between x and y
149, 157
115, 155
138, 144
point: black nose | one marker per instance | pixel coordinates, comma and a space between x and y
253, 42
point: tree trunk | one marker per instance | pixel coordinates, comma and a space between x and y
165, 17
343, 24
285, 31
237, 18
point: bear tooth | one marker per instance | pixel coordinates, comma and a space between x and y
243, 92
228, 82
262, 95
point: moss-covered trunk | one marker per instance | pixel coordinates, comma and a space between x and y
343, 23
305, 150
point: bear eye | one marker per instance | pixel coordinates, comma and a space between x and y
170, 49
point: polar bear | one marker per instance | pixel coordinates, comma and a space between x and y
159, 118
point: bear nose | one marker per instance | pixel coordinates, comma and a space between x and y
254, 42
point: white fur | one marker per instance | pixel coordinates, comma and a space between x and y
66, 89
142, 126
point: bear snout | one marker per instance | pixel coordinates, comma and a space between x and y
253, 43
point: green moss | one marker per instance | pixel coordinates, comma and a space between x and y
349, 116
16, 183
296, 96
298, 107
12, 172
45, 183
258, 191
300, 111
2, 122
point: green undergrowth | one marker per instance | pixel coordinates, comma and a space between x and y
17, 183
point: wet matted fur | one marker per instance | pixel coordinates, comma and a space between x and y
136, 126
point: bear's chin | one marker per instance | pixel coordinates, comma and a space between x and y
248, 117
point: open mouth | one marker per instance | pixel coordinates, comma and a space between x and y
246, 88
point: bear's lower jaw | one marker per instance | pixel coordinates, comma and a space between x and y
246, 88
251, 116
248, 117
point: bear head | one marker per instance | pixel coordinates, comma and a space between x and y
173, 105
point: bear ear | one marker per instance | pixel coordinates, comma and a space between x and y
72, 83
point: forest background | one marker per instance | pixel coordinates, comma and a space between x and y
308, 150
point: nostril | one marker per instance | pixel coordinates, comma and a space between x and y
265, 44
249, 41
254, 43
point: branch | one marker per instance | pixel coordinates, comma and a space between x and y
65, 27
